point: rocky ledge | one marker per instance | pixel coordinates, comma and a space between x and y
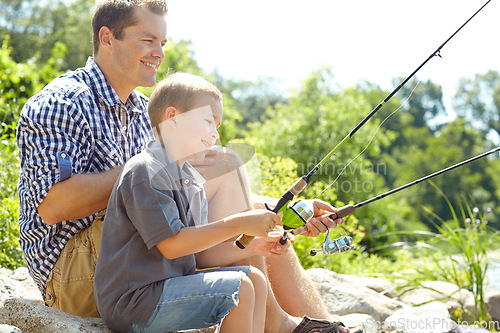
372, 303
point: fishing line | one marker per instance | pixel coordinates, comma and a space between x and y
376, 131
301, 183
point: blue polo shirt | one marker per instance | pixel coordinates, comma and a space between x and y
152, 200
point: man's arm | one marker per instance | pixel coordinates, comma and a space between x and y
79, 196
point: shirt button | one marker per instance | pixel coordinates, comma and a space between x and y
186, 181
63, 155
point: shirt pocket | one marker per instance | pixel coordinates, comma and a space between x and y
107, 155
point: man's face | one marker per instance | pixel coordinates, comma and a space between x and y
137, 56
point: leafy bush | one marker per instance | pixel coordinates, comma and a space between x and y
11, 255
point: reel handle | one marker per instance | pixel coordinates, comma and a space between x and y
243, 240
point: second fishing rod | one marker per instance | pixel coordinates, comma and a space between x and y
301, 183
304, 209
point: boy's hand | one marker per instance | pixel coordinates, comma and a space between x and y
258, 222
270, 245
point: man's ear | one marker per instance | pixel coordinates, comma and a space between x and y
105, 37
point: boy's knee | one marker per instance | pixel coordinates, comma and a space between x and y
259, 280
247, 291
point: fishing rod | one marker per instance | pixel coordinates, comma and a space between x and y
344, 243
302, 182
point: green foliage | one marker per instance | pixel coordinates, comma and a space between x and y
430, 153
11, 255
315, 120
456, 253
250, 98
20, 81
478, 100
35, 27
9, 167
469, 236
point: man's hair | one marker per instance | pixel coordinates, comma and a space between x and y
119, 14
180, 91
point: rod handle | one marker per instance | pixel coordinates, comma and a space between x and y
243, 240
343, 212
298, 186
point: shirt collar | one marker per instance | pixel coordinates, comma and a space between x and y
106, 91
187, 175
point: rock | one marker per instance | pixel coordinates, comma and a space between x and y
10, 288
31, 289
428, 318
447, 293
493, 305
380, 285
31, 316
9, 329
364, 321
342, 297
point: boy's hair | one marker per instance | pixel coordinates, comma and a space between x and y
180, 91
119, 14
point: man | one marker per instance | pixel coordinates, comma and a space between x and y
75, 135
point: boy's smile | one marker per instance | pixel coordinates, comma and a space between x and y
187, 134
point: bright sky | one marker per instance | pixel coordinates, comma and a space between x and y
375, 40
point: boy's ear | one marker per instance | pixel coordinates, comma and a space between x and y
169, 116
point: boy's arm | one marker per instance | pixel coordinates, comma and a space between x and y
227, 253
195, 239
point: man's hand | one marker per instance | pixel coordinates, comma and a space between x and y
270, 245
321, 221
201, 161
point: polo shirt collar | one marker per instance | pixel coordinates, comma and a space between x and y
185, 176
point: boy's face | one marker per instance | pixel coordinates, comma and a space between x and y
196, 129
136, 56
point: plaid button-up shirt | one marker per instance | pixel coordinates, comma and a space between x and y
77, 124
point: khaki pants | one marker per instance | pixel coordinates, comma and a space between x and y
70, 284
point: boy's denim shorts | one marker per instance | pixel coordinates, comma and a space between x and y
195, 301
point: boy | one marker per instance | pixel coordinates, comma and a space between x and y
156, 234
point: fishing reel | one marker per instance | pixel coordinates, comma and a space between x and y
297, 215
339, 245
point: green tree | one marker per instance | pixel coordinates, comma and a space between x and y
424, 103
20, 81
252, 98
319, 115
455, 142
478, 100
35, 27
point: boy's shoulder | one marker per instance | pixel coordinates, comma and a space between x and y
151, 165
